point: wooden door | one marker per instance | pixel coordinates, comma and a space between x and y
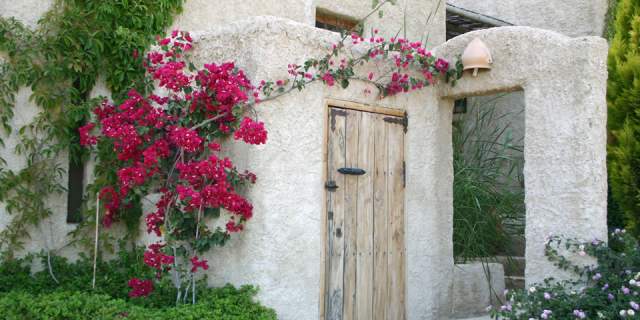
365, 257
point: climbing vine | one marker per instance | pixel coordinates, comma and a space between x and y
75, 43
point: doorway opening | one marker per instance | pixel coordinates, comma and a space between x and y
488, 187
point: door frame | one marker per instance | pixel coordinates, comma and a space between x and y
351, 105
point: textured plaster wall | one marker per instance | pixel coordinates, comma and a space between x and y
564, 83
475, 287
570, 17
424, 19
27, 11
282, 249
50, 234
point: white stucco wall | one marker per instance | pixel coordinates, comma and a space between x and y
281, 250
27, 11
424, 19
564, 83
570, 17
476, 286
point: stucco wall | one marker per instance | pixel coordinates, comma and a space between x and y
476, 286
27, 11
281, 250
424, 19
570, 17
564, 83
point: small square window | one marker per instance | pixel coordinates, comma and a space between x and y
336, 22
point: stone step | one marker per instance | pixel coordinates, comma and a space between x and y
513, 266
511, 282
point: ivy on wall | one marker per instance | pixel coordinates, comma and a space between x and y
75, 43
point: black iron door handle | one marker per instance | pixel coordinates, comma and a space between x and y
352, 171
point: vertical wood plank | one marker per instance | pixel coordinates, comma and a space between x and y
395, 195
335, 246
380, 214
350, 222
364, 217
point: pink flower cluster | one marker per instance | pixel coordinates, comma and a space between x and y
155, 258
251, 132
170, 144
140, 288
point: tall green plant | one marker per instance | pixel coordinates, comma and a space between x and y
623, 99
488, 198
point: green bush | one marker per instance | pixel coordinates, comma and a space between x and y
606, 291
111, 277
71, 296
226, 303
623, 98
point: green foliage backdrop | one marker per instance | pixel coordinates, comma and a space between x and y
624, 112
75, 43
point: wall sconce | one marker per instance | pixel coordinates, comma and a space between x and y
476, 56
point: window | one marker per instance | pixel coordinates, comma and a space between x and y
335, 22
75, 190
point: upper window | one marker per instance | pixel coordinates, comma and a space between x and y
336, 22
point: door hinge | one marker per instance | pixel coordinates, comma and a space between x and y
403, 121
336, 112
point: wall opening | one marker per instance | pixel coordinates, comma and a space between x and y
489, 207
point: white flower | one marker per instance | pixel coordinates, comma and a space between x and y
532, 290
623, 313
632, 282
630, 312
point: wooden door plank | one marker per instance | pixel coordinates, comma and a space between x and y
335, 246
380, 213
350, 208
364, 218
395, 195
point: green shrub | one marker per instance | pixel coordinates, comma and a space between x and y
488, 197
606, 291
111, 277
75, 278
623, 98
226, 303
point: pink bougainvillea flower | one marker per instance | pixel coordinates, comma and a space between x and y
328, 79
85, 138
442, 65
195, 264
251, 132
140, 288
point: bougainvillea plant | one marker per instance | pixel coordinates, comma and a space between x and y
170, 143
